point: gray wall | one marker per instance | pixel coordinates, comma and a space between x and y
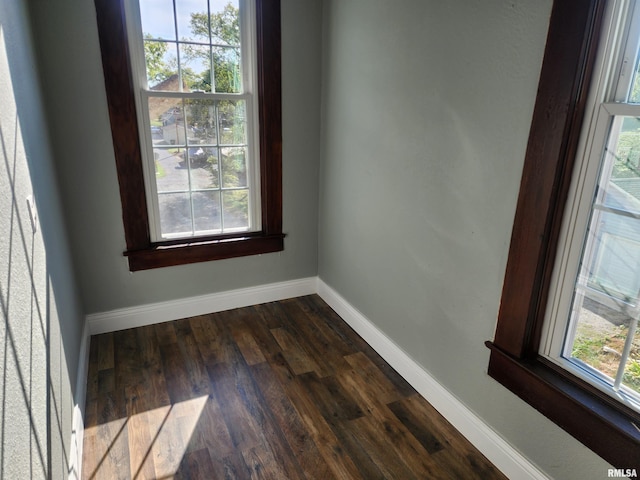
426, 107
74, 90
426, 110
40, 312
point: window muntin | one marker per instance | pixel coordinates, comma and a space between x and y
593, 313
194, 74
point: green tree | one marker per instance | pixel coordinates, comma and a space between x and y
225, 37
225, 26
158, 69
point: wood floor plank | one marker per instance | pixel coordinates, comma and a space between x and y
379, 450
457, 455
372, 380
297, 357
326, 315
245, 340
307, 455
257, 417
111, 441
165, 333
214, 341
104, 349
138, 434
200, 466
324, 437
327, 353
405, 415
127, 359
263, 465
398, 437
242, 427
283, 390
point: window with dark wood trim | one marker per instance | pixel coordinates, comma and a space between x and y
141, 252
607, 427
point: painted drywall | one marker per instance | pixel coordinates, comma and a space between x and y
40, 310
74, 90
426, 111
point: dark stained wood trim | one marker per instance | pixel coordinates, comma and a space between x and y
607, 427
611, 432
203, 251
270, 112
116, 66
141, 252
553, 140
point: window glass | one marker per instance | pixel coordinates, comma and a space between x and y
606, 303
199, 140
600, 341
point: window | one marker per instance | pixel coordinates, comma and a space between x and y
568, 396
195, 109
591, 321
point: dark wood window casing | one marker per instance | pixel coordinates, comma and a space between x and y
607, 427
142, 253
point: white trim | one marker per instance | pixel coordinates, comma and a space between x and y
77, 425
503, 456
189, 307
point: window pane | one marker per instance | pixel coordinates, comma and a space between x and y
175, 213
164, 113
231, 120
600, 333
168, 114
162, 65
234, 167
157, 19
171, 170
606, 302
206, 210
236, 208
201, 121
225, 23
196, 67
192, 21
203, 167
226, 65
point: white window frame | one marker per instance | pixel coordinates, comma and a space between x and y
614, 69
142, 93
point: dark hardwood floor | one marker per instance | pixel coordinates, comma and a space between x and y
284, 390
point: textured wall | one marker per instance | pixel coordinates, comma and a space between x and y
426, 110
74, 91
40, 314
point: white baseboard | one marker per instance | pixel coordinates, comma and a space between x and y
77, 426
189, 307
508, 460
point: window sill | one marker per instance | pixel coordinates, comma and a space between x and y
203, 250
612, 431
